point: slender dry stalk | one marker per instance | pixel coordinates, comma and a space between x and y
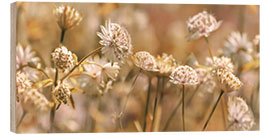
155, 102
213, 110
62, 35
35, 68
209, 48
228, 127
223, 106
21, 119
183, 107
193, 94
147, 104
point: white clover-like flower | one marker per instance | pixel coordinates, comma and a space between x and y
202, 24
100, 69
33, 99
115, 40
165, 64
62, 92
63, 58
145, 61
67, 17
25, 55
240, 116
229, 80
237, 41
184, 75
22, 83
223, 63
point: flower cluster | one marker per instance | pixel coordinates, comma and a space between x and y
145, 61
62, 92
63, 58
67, 17
184, 75
239, 115
115, 40
202, 24
165, 64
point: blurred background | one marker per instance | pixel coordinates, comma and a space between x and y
155, 28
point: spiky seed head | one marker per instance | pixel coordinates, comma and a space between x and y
228, 80
63, 58
62, 92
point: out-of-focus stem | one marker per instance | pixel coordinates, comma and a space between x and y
38, 69
193, 94
223, 106
209, 48
228, 127
21, 119
62, 35
147, 104
213, 110
155, 102
183, 107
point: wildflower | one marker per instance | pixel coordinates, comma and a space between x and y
100, 69
63, 58
25, 56
202, 24
62, 92
228, 79
104, 87
165, 64
223, 63
239, 115
115, 40
184, 75
33, 98
145, 61
237, 41
67, 17
203, 75
22, 83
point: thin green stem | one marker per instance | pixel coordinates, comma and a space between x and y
155, 102
80, 62
213, 110
147, 104
183, 107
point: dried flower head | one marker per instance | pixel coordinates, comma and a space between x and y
202, 24
237, 41
25, 55
62, 92
145, 61
22, 83
115, 40
67, 17
184, 75
227, 78
104, 86
63, 58
33, 98
239, 115
203, 75
165, 64
100, 69
223, 63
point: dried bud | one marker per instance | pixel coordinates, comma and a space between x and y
145, 61
115, 40
227, 78
62, 58
165, 64
239, 115
202, 24
184, 75
67, 17
62, 92
223, 63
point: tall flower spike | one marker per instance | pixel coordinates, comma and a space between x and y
239, 115
63, 58
184, 75
229, 81
145, 61
115, 40
67, 17
202, 24
165, 64
62, 92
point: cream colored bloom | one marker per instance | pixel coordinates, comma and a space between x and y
145, 61
184, 75
25, 55
239, 115
202, 24
62, 58
22, 83
115, 40
237, 41
229, 81
165, 64
67, 17
223, 63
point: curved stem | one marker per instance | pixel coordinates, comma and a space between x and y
172, 114
80, 62
147, 104
38, 69
183, 107
21, 119
213, 110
